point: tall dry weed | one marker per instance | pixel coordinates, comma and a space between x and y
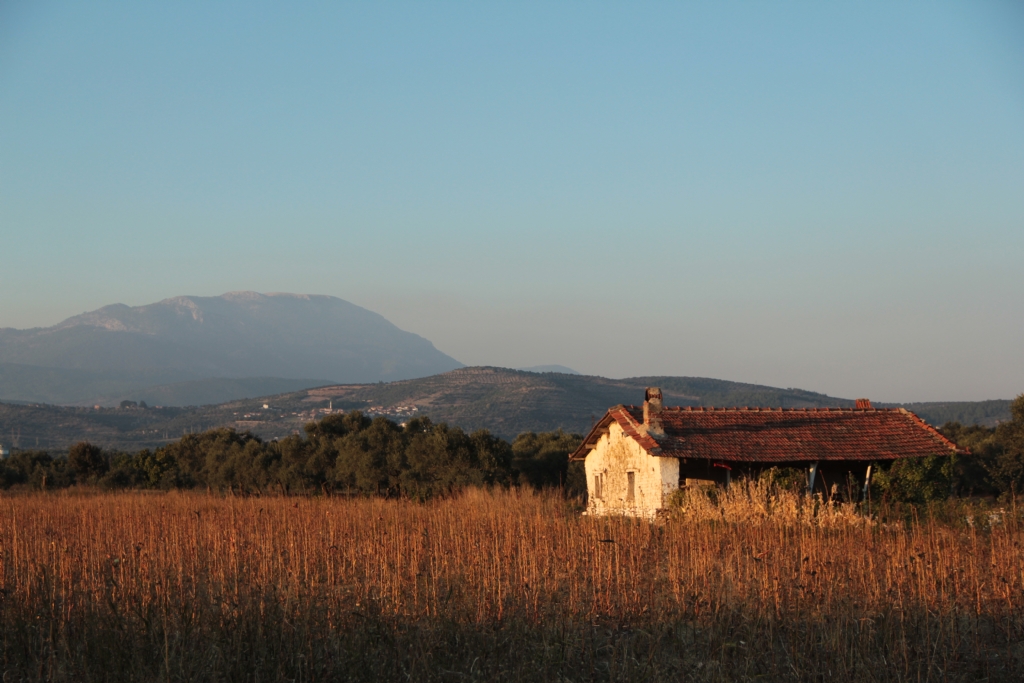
498, 585
750, 501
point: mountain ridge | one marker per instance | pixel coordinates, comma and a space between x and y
120, 349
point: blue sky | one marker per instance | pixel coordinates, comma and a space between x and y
820, 195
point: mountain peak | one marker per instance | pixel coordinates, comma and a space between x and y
249, 295
238, 334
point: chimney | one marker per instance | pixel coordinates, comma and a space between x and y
863, 404
652, 411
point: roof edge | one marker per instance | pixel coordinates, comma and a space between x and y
913, 417
595, 433
621, 414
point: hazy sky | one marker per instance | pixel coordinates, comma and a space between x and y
819, 195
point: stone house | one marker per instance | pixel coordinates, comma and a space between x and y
636, 457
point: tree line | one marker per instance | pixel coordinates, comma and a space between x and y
352, 454
994, 467
346, 453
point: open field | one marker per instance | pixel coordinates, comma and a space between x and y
499, 586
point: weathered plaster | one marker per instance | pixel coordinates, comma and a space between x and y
614, 456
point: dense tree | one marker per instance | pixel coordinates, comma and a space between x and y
440, 459
36, 469
87, 460
370, 457
972, 472
1007, 467
916, 480
543, 460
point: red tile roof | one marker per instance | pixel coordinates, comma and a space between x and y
777, 435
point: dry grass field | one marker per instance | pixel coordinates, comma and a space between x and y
505, 585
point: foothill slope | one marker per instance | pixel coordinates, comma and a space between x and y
506, 402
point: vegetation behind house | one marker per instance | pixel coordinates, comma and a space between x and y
353, 454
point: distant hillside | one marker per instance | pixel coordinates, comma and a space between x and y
205, 392
506, 402
120, 350
988, 413
550, 368
56, 428
37, 384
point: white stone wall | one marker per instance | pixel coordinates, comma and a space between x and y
615, 456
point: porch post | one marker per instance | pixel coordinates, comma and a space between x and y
814, 474
867, 484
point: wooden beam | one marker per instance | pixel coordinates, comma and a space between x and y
814, 474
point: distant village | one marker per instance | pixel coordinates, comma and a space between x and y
397, 413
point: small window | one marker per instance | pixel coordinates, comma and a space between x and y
630, 486
597, 486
